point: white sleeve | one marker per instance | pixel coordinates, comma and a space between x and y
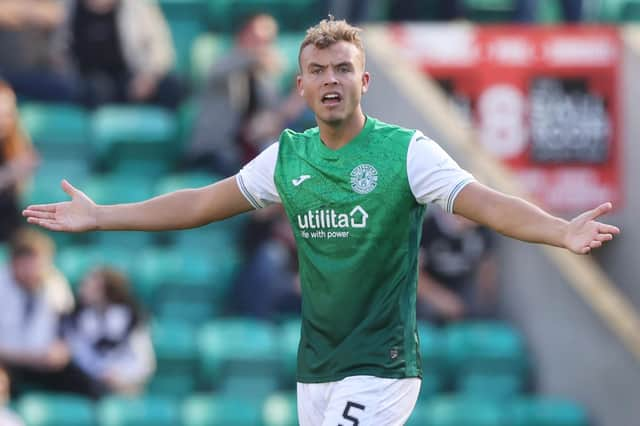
434, 177
256, 178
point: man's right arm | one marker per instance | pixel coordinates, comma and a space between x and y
181, 209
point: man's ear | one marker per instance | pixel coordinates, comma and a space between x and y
366, 78
299, 85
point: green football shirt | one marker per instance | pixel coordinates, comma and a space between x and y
356, 213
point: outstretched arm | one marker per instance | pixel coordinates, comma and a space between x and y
182, 209
517, 218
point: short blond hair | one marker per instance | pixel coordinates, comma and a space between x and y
330, 31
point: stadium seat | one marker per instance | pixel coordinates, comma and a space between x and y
174, 342
289, 338
280, 409
489, 10
187, 19
208, 410
194, 303
434, 362
546, 412
143, 411
139, 139
618, 11
486, 358
75, 261
461, 411
234, 349
549, 12
57, 126
55, 409
289, 46
419, 414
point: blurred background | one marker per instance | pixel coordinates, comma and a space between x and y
129, 99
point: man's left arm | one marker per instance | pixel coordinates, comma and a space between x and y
518, 218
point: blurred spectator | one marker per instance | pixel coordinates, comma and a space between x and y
27, 60
122, 50
107, 333
527, 10
457, 277
7, 417
18, 160
241, 110
268, 285
29, 344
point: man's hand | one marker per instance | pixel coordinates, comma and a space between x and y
76, 215
584, 233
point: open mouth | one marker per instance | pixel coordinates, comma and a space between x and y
331, 98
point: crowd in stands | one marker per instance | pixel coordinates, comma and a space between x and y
97, 340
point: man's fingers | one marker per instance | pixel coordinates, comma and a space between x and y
40, 208
45, 223
604, 237
599, 211
68, 188
603, 228
40, 214
595, 244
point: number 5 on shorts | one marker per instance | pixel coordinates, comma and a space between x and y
347, 416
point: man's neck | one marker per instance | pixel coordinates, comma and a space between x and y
337, 136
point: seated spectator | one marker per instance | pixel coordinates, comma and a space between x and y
241, 111
268, 286
122, 50
457, 278
29, 344
107, 333
18, 161
27, 55
7, 417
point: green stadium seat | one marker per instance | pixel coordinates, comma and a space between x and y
486, 358
434, 361
75, 261
43, 409
419, 416
490, 10
233, 349
546, 412
174, 342
289, 338
120, 188
194, 303
187, 19
289, 46
619, 11
208, 410
56, 126
144, 411
4, 253
138, 139
280, 409
461, 411
549, 12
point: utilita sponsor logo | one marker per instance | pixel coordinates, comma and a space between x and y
330, 219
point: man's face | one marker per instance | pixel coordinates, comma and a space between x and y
332, 81
30, 270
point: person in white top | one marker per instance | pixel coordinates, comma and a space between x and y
7, 417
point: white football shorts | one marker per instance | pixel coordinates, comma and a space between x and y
357, 401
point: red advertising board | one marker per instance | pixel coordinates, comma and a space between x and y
544, 100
